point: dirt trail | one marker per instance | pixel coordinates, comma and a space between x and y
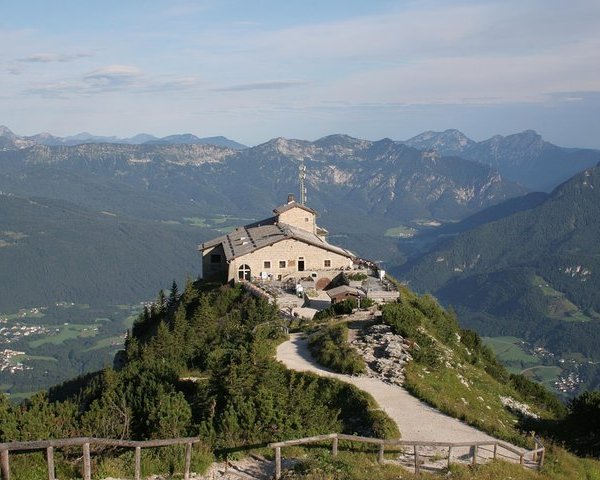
416, 420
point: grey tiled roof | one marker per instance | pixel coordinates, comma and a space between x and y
247, 239
290, 205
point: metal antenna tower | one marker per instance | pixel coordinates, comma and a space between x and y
302, 176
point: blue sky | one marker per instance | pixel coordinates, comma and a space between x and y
254, 70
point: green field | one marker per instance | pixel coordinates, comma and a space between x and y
40, 358
513, 354
510, 349
65, 332
545, 374
109, 342
559, 307
401, 231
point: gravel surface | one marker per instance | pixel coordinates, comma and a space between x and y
416, 420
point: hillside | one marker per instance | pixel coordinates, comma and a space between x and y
53, 251
532, 274
522, 157
200, 363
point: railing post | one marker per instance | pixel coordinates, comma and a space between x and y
495, 450
521, 458
188, 461
87, 463
4, 465
138, 463
380, 458
449, 455
50, 461
542, 454
417, 461
334, 447
277, 463
475, 448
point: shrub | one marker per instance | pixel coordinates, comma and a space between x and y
330, 347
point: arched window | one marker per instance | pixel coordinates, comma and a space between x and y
244, 272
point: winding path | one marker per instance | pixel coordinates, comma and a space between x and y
416, 420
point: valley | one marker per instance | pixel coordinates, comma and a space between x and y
43, 346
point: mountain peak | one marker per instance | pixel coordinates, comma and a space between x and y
6, 132
447, 142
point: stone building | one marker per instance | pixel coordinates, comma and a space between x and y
279, 247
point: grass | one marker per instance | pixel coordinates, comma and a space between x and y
116, 341
466, 393
39, 358
510, 349
196, 221
400, 232
545, 374
560, 308
352, 465
66, 332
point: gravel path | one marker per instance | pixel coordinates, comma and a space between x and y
416, 420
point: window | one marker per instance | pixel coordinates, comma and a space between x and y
327, 263
306, 219
281, 263
244, 273
215, 258
267, 264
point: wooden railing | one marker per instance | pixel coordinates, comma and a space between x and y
86, 443
537, 455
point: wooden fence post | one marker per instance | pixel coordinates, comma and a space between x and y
475, 448
521, 459
380, 458
417, 461
4, 465
138, 463
495, 450
277, 463
87, 463
542, 454
334, 447
188, 461
50, 461
449, 455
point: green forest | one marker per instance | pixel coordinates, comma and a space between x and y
196, 363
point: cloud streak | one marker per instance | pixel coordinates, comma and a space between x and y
273, 85
54, 57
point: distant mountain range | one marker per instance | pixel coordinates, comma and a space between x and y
9, 140
532, 273
364, 190
523, 157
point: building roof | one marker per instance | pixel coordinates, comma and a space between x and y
247, 239
344, 290
290, 205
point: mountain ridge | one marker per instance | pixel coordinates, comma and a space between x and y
9, 139
524, 157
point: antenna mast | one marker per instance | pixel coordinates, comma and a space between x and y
302, 175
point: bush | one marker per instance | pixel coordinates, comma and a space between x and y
330, 347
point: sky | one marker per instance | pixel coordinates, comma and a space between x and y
253, 70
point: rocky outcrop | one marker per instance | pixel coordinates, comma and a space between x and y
384, 353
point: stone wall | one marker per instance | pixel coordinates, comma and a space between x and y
290, 252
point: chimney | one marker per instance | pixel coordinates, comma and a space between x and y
291, 198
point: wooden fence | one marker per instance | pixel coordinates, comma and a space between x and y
537, 455
86, 443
